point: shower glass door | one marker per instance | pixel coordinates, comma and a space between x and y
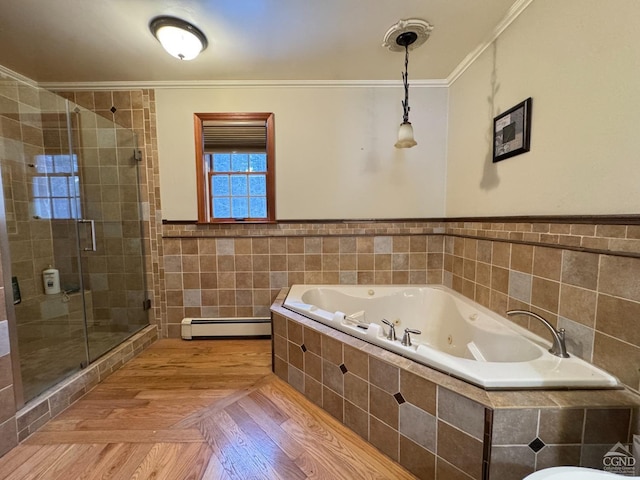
110, 230
39, 180
70, 192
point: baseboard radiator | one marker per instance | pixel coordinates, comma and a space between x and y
226, 327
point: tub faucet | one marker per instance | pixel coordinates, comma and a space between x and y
559, 348
406, 338
392, 330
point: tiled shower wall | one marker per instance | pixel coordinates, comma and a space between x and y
135, 110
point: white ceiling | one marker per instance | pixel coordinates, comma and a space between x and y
59, 41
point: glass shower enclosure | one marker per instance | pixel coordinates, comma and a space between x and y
74, 227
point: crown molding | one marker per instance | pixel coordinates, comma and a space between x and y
513, 13
16, 76
77, 86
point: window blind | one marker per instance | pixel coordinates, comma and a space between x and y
230, 136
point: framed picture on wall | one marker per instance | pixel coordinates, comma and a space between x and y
512, 131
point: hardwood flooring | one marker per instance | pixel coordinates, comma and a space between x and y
197, 410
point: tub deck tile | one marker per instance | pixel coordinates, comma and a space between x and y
391, 401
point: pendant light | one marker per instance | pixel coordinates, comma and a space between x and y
404, 34
405, 133
178, 37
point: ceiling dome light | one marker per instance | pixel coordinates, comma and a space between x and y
179, 38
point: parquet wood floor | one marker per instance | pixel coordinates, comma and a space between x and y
207, 409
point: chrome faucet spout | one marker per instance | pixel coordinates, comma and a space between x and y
559, 347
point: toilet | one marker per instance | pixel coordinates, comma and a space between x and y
574, 473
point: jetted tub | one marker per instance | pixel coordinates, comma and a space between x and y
459, 336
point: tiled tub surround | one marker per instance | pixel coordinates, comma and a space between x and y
594, 294
581, 276
240, 277
438, 426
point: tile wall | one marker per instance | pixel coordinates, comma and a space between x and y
135, 110
580, 276
236, 277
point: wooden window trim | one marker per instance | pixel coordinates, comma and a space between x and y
202, 173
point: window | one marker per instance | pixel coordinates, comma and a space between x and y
56, 187
235, 167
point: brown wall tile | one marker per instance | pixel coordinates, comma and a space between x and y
356, 419
417, 460
607, 425
522, 258
547, 262
7, 404
384, 437
514, 426
511, 463
578, 304
332, 377
618, 318
461, 412
384, 376
383, 406
357, 362
618, 358
580, 269
295, 356
460, 449
8, 435
444, 470
545, 294
556, 455
501, 254
294, 332
313, 390
6, 375
333, 403
332, 350
561, 425
312, 341
418, 391
418, 425
619, 277
356, 390
313, 365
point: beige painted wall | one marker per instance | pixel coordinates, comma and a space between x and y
334, 149
579, 61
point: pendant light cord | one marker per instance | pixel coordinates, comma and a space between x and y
405, 80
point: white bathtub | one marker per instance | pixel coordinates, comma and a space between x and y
459, 336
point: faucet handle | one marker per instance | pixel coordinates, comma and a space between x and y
392, 330
406, 339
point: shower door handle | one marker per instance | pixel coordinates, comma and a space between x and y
92, 224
